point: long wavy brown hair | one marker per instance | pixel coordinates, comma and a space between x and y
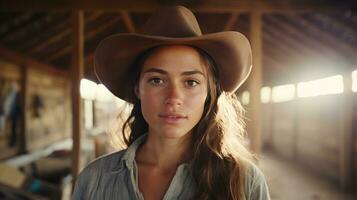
219, 156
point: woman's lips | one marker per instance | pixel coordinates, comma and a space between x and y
172, 118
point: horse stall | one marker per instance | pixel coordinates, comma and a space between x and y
313, 132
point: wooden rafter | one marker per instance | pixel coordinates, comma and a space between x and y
276, 6
89, 35
23, 60
293, 45
66, 31
306, 44
129, 24
336, 24
19, 30
11, 26
43, 32
325, 37
231, 21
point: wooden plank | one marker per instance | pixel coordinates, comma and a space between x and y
231, 21
24, 60
129, 24
312, 46
16, 33
282, 36
283, 48
89, 35
77, 67
325, 37
255, 83
268, 6
55, 38
345, 133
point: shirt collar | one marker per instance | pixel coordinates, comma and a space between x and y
129, 156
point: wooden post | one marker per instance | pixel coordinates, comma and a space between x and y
255, 83
77, 74
296, 125
345, 133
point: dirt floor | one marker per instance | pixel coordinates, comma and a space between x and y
287, 180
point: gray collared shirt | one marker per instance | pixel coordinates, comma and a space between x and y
114, 176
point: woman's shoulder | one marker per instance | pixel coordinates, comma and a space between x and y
256, 187
105, 163
253, 172
95, 171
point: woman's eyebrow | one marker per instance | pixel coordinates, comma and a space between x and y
186, 73
156, 70
193, 72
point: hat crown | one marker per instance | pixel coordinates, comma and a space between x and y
176, 21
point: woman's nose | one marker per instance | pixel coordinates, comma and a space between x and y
174, 95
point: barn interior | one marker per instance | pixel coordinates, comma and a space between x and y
300, 99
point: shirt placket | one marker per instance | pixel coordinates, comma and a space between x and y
134, 181
175, 185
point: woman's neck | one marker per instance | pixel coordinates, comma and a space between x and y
164, 153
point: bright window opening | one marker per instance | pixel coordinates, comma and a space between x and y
325, 86
88, 89
88, 114
245, 98
283, 93
265, 94
354, 81
103, 94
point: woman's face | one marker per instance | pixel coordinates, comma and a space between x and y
172, 90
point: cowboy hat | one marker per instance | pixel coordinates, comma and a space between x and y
115, 54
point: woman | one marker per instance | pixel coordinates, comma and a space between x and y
184, 133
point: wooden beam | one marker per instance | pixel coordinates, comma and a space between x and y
231, 21
283, 36
345, 130
89, 35
66, 31
24, 60
129, 24
311, 44
325, 37
101, 28
336, 23
271, 6
77, 23
19, 31
57, 23
90, 57
255, 84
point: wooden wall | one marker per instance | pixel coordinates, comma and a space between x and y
53, 122
308, 130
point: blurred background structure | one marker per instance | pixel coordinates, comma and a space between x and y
300, 98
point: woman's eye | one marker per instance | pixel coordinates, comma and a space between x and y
156, 81
192, 83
